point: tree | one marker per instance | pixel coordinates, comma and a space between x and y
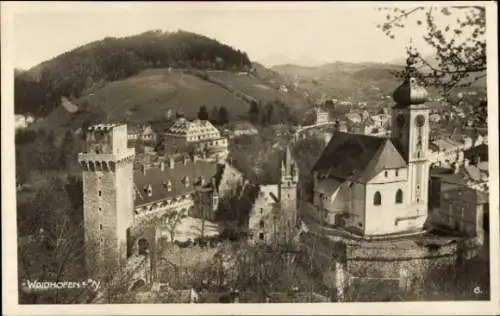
460, 51
202, 113
253, 112
223, 117
214, 115
67, 150
170, 221
54, 249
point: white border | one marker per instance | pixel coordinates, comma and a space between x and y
9, 231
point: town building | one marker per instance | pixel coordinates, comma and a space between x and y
274, 212
200, 133
455, 206
23, 121
322, 115
243, 128
143, 133
377, 186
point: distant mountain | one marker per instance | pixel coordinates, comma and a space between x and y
279, 59
366, 81
341, 79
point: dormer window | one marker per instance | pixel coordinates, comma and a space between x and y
168, 185
149, 190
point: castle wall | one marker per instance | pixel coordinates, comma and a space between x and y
408, 264
124, 205
100, 217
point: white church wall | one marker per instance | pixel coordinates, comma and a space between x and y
381, 219
356, 218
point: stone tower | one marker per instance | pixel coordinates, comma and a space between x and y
410, 128
288, 187
108, 202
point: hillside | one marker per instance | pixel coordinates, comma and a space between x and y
89, 67
151, 93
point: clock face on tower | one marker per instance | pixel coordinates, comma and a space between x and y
420, 120
400, 120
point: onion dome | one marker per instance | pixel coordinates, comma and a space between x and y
410, 93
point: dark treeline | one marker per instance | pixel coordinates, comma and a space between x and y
83, 69
271, 113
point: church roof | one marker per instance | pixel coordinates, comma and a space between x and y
481, 150
328, 186
288, 160
409, 93
358, 157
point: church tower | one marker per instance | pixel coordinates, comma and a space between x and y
108, 202
410, 128
288, 187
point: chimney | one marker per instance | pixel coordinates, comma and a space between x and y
202, 180
162, 165
186, 181
185, 160
195, 157
171, 163
456, 167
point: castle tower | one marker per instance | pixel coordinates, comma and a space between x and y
108, 202
410, 127
288, 187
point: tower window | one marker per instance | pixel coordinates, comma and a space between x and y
261, 210
100, 226
100, 209
99, 192
261, 236
397, 172
261, 224
386, 174
399, 196
377, 198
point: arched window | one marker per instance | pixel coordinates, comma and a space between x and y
377, 198
261, 224
399, 196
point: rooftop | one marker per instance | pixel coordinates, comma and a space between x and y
481, 150
358, 157
101, 127
158, 180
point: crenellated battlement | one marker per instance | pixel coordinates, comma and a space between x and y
105, 162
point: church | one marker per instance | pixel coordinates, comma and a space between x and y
376, 186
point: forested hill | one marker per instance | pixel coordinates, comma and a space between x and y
87, 68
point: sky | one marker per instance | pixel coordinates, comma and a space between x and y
309, 34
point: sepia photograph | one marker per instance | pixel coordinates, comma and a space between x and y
242, 154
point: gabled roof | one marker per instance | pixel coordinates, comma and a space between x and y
288, 162
328, 186
481, 150
358, 157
